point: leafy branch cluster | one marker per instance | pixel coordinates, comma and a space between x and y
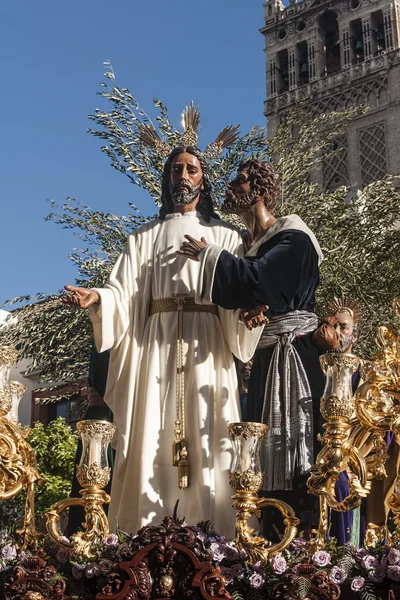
52, 335
118, 128
360, 236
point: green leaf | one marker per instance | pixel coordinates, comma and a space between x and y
368, 591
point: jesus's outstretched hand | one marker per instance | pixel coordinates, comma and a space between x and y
80, 297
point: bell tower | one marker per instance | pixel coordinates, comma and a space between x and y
335, 54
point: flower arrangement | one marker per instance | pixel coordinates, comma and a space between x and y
359, 569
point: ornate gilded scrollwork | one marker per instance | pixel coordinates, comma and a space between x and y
245, 481
18, 468
93, 475
168, 561
377, 403
247, 430
354, 437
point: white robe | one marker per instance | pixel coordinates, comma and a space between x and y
141, 384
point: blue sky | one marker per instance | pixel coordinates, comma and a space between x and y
52, 65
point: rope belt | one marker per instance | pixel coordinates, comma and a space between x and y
180, 304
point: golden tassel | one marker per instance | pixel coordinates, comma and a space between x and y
183, 467
176, 444
176, 451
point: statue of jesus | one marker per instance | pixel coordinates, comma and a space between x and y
171, 380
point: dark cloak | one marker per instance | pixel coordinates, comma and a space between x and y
284, 275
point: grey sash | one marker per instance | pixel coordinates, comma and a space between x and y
287, 408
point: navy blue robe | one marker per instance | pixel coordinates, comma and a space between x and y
284, 275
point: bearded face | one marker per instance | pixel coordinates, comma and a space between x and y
237, 200
186, 179
345, 343
183, 192
239, 194
255, 181
347, 336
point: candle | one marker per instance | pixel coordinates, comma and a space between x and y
94, 451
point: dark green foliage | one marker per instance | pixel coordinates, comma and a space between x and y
303, 586
256, 595
359, 234
346, 560
55, 448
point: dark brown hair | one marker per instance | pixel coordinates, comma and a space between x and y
264, 180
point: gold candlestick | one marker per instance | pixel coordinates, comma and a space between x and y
93, 474
245, 478
337, 454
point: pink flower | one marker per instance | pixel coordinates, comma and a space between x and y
78, 571
24, 558
92, 570
231, 553
258, 567
357, 584
393, 572
63, 555
219, 551
299, 543
370, 562
111, 540
278, 564
394, 556
337, 575
105, 566
378, 574
321, 558
256, 581
9, 552
361, 552
236, 570
222, 541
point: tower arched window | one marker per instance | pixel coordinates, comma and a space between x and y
329, 34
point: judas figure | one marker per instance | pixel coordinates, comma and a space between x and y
280, 270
